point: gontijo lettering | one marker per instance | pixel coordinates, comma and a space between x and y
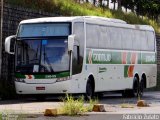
102, 57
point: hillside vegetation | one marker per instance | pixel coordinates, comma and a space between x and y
72, 8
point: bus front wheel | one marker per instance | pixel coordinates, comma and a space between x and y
89, 90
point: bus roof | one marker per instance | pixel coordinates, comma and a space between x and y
70, 19
110, 21
49, 19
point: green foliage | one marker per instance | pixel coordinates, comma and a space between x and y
72, 8
149, 8
0, 116
43, 5
126, 105
90, 105
74, 107
12, 115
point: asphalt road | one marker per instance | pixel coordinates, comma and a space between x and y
112, 102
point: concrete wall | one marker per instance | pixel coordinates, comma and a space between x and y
12, 15
158, 61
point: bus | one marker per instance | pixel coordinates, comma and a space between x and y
83, 54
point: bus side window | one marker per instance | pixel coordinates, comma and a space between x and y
78, 55
76, 60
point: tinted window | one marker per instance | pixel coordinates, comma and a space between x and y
78, 52
44, 29
105, 37
92, 35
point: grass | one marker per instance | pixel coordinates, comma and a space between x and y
71, 8
72, 106
11, 115
126, 105
8, 115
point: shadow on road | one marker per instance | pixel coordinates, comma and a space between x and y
108, 98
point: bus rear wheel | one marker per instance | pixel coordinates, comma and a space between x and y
135, 91
135, 87
141, 87
89, 90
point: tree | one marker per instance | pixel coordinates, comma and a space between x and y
100, 3
114, 4
149, 8
128, 4
152, 9
107, 3
119, 4
94, 2
87, 1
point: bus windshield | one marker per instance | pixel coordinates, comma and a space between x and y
42, 56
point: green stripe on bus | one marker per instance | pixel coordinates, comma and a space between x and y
128, 70
19, 75
148, 58
113, 57
49, 76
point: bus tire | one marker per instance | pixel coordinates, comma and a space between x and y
141, 87
89, 90
135, 90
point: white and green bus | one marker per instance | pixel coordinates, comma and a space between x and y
83, 54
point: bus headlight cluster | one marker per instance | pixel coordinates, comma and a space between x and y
20, 80
62, 79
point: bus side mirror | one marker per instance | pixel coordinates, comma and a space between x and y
10, 44
71, 42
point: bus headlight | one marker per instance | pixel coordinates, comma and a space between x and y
20, 80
